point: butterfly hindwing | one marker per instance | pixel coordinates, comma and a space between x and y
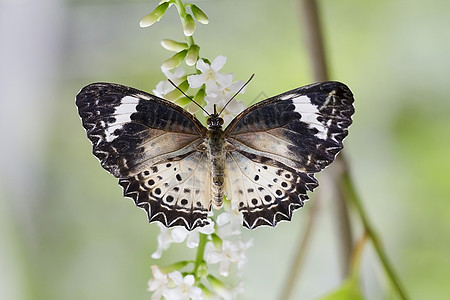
264, 190
173, 193
294, 134
152, 146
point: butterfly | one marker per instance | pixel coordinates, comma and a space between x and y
176, 169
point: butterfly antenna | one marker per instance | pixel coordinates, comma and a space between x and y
234, 96
171, 82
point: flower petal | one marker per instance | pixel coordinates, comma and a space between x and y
193, 240
189, 280
202, 66
179, 234
196, 81
218, 63
223, 79
208, 229
176, 277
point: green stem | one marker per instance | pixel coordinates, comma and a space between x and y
182, 12
200, 253
353, 196
180, 6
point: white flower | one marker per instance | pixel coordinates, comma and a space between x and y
164, 87
164, 240
222, 97
192, 237
158, 284
178, 235
231, 252
184, 288
229, 223
231, 110
210, 76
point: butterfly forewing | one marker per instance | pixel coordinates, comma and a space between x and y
279, 143
154, 147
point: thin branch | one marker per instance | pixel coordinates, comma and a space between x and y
347, 184
314, 39
347, 190
316, 50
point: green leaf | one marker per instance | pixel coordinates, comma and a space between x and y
199, 14
155, 15
349, 290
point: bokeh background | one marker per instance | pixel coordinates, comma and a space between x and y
67, 233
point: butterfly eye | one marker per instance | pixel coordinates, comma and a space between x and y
208, 121
220, 121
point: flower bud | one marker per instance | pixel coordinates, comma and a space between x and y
183, 101
217, 241
176, 94
200, 97
199, 14
188, 25
174, 46
202, 270
215, 283
155, 15
174, 61
192, 55
174, 267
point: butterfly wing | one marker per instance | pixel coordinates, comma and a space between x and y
275, 147
154, 147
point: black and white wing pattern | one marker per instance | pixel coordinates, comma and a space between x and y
274, 148
154, 147
173, 167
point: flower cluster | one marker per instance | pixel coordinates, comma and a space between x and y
221, 243
214, 88
220, 247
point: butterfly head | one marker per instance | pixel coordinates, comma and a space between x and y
214, 121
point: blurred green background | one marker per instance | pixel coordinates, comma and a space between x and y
67, 233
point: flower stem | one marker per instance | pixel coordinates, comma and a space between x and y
180, 6
182, 12
200, 254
